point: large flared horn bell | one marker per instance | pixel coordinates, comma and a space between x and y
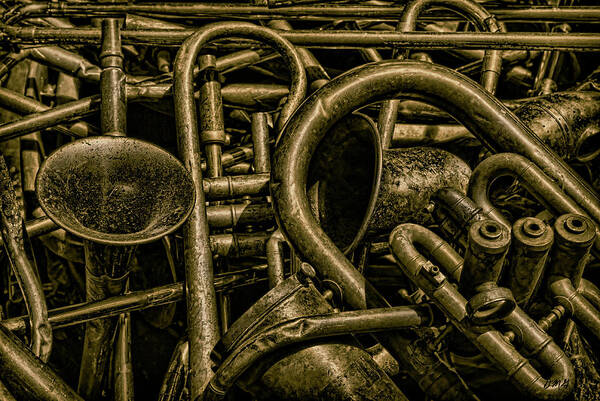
115, 190
357, 189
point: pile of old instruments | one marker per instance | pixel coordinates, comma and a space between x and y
300, 200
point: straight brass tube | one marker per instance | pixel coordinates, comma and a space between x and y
26, 105
336, 39
313, 12
210, 115
261, 142
578, 306
275, 259
66, 316
236, 186
113, 108
66, 61
51, 117
106, 272
459, 206
123, 365
113, 306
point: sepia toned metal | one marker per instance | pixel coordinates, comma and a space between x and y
488, 243
531, 242
276, 330
574, 237
15, 237
544, 189
126, 192
361, 190
499, 129
29, 375
253, 11
201, 300
115, 191
434, 282
299, 200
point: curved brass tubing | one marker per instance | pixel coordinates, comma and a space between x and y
202, 312
590, 291
475, 13
14, 237
538, 184
574, 237
576, 303
275, 261
306, 328
492, 61
491, 343
492, 122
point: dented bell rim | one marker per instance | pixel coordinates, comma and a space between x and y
134, 184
